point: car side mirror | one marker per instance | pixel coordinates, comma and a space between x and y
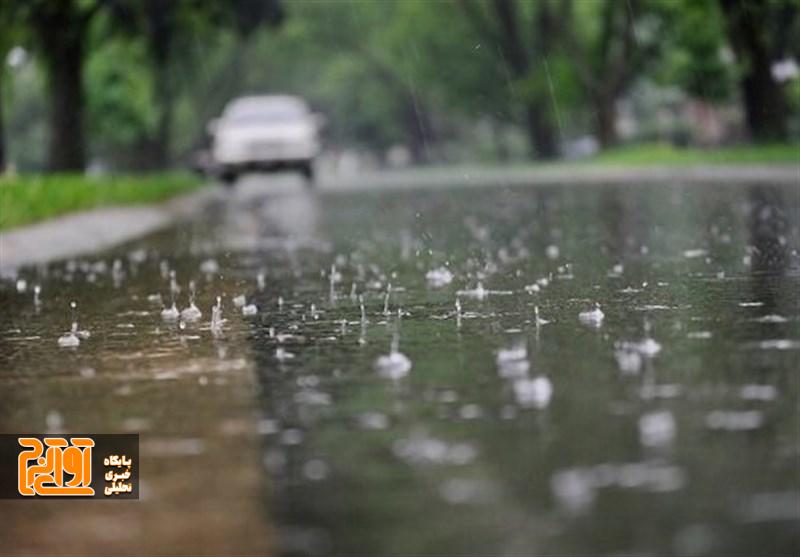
212, 126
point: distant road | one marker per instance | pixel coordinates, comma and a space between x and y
90, 231
564, 174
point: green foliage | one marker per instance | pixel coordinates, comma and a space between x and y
413, 72
121, 107
666, 154
26, 132
694, 59
30, 198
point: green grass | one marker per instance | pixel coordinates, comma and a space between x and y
665, 154
30, 198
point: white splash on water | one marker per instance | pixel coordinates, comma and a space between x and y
735, 420
758, 392
657, 429
593, 317
771, 318
515, 353
191, 313
216, 316
439, 277
171, 313
394, 365
281, 354
533, 393
538, 321
72, 338
477, 293
695, 253
629, 361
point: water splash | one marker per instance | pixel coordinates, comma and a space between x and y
437, 278
334, 278
538, 321
216, 316
72, 338
478, 293
394, 365
281, 354
386, 298
171, 313
593, 317
657, 429
533, 393
191, 313
517, 352
363, 309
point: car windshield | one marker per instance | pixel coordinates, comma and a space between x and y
265, 113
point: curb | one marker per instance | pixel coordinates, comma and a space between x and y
94, 230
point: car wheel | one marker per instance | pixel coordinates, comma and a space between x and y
307, 170
228, 178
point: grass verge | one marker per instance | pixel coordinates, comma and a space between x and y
665, 154
27, 199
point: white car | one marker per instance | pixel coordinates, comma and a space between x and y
263, 133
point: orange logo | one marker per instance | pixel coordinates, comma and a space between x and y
42, 472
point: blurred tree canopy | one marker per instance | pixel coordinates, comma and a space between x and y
132, 83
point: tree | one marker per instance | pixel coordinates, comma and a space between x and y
165, 23
759, 33
501, 22
60, 30
159, 23
2, 126
694, 51
6, 43
359, 62
61, 33
608, 53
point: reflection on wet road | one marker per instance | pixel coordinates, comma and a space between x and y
552, 370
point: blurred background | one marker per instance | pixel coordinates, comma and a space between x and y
130, 85
458, 141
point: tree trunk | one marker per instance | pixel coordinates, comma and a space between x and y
67, 150
62, 36
2, 129
606, 117
160, 16
541, 134
416, 122
765, 106
164, 102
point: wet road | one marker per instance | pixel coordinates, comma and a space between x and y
509, 418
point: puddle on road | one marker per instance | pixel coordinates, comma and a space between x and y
381, 381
